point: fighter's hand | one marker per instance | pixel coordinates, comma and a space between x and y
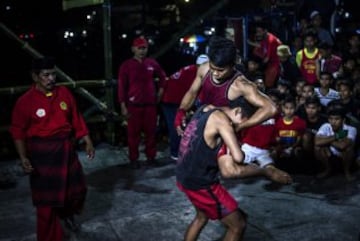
26, 165
277, 175
179, 121
179, 130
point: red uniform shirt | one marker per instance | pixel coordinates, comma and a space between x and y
36, 115
136, 83
268, 49
178, 83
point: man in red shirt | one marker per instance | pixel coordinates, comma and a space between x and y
44, 122
174, 90
138, 97
265, 47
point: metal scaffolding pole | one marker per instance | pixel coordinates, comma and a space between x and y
106, 6
106, 108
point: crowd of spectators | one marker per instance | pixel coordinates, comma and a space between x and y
318, 87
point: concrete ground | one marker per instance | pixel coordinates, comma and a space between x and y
145, 205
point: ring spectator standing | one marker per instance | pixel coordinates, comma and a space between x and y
265, 46
138, 97
45, 120
307, 57
323, 34
175, 88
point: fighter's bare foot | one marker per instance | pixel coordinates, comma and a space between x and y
277, 175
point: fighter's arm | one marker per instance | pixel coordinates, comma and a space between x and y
265, 106
231, 164
189, 98
219, 127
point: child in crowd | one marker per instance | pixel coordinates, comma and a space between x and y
299, 88
253, 68
289, 129
307, 91
335, 140
284, 86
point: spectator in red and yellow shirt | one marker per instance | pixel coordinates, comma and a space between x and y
307, 57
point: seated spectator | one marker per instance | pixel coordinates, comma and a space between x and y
313, 119
351, 105
259, 81
308, 91
325, 92
299, 88
253, 68
335, 140
346, 69
284, 87
289, 130
352, 108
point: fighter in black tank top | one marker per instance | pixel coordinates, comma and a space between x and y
197, 165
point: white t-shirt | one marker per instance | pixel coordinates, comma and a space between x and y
326, 130
325, 99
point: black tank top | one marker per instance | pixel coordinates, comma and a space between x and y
197, 166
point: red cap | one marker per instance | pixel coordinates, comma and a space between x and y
140, 42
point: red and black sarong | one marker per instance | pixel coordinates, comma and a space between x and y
58, 179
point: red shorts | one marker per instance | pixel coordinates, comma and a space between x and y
215, 201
